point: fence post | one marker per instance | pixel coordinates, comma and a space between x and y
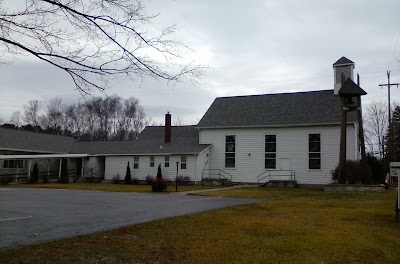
29, 169
83, 165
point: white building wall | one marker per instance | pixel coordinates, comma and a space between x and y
292, 151
117, 165
94, 166
203, 162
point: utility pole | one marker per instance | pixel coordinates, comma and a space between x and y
388, 84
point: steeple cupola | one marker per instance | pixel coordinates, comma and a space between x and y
345, 66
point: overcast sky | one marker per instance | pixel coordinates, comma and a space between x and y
251, 47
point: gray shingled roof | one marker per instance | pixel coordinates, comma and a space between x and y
184, 140
343, 61
38, 142
286, 109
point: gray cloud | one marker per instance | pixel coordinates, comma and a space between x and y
251, 47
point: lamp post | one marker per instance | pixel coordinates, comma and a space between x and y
176, 179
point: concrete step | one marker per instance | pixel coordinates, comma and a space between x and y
280, 184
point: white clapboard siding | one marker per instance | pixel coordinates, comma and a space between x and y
94, 165
117, 165
292, 151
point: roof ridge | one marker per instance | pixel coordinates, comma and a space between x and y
343, 61
275, 94
175, 126
36, 133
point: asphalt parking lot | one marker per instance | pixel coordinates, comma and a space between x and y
30, 216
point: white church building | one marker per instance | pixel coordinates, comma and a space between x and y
244, 139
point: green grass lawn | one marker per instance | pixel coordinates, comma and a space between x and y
290, 226
108, 187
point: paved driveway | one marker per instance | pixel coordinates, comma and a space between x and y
29, 216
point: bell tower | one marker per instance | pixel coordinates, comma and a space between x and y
342, 66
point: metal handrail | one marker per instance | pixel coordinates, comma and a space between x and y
23, 176
221, 173
264, 175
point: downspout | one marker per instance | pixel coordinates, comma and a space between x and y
357, 145
195, 175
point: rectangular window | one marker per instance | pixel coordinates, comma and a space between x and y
183, 163
230, 142
13, 164
136, 162
314, 151
151, 161
166, 162
270, 151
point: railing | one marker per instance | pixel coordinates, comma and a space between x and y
288, 175
23, 176
216, 174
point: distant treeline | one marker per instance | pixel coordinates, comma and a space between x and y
111, 118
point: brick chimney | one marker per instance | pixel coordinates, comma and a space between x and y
167, 127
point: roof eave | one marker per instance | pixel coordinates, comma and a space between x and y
146, 154
41, 156
34, 151
344, 64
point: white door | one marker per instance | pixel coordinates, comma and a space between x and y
285, 165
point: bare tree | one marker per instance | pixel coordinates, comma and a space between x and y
179, 121
16, 118
110, 118
93, 41
75, 119
195, 122
53, 118
376, 123
130, 119
31, 113
150, 122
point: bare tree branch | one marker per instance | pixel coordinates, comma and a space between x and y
95, 40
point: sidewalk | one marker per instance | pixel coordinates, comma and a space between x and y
213, 189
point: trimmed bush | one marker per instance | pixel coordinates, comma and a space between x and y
159, 185
35, 174
45, 179
128, 177
354, 172
159, 174
149, 179
4, 180
378, 173
135, 181
116, 179
183, 179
